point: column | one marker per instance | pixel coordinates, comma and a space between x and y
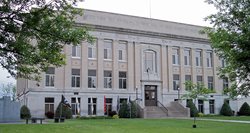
84, 65
130, 66
115, 70
170, 69
99, 71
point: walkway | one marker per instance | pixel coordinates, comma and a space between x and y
235, 121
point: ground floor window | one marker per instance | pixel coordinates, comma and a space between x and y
49, 104
75, 106
108, 106
201, 106
211, 106
92, 103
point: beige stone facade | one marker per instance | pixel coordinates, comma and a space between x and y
132, 57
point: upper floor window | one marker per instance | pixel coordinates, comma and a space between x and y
199, 80
198, 58
149, 61
209, 59
107, 79
187, 57
223, 62
50, 77
75, 79
91, 78
122, 51
225, 83
92, 50
76, 51
187, 78
122, 80
210, 82
108, 44
175, 56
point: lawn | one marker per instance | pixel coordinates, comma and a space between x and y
240, 118
127, 126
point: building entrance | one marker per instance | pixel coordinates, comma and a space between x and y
150, 95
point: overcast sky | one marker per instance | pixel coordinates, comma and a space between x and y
183, 11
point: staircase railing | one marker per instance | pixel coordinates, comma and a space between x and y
165, 109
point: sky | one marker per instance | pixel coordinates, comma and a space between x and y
182, 11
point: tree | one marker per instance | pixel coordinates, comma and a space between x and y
63, 111
226, 110
193, 109
34, 32
8, 90
194, 92
230, 39
244, 109
25, 112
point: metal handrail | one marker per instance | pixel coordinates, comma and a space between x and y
163, 106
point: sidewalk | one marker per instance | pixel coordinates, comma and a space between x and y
234, 121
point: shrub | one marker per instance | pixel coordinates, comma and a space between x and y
226, 110
25, 112
112, 113
115, 117
124, 111
244, 109
200, 114
66, 111
193, 109
50, 114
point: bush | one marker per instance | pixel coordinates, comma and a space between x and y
112, 113
226, 110
244, 109
193, 109
124, 111
50, 114
200, 115
115, 117
25, 112
66, 111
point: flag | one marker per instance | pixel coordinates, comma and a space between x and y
78, 106
118, 104
65, 102
105, 106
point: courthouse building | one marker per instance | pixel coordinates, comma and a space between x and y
143, 59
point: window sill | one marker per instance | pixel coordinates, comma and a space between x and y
75, 57
91, 58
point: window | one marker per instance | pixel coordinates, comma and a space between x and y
199, 80
75, 80
210, 82
122, 80
92, 106
176, 81
211, 106
209, 59
175, 56
92, 51
108, 49
91, 78
76, 51
108, 106
187, 57
187, 78
49, 104
50, 77
122, 51
225, 83
75, 106
198, 58
149, 61
201, 106
223, 63
107, 79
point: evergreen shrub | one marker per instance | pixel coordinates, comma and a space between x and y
25, 112
226, 110
66, 111
244, 109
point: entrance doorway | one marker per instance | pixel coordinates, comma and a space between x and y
150, 95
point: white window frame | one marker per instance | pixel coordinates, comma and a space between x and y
201, 106
107, 51
93, 79
50, 105
209, 59
107, 80
51, 77
122, 51
123, 79
198, 58
92, 106
77, 50
176, 81
211, 106
210, 84
75, 79
187, 57
74, 105
150, 65
176, 56
92, 48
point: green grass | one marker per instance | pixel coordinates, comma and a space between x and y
127, 126
240, 118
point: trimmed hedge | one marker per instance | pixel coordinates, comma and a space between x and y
226, 110
124, 111
193, 109
25, 112
244, 109
66, 111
